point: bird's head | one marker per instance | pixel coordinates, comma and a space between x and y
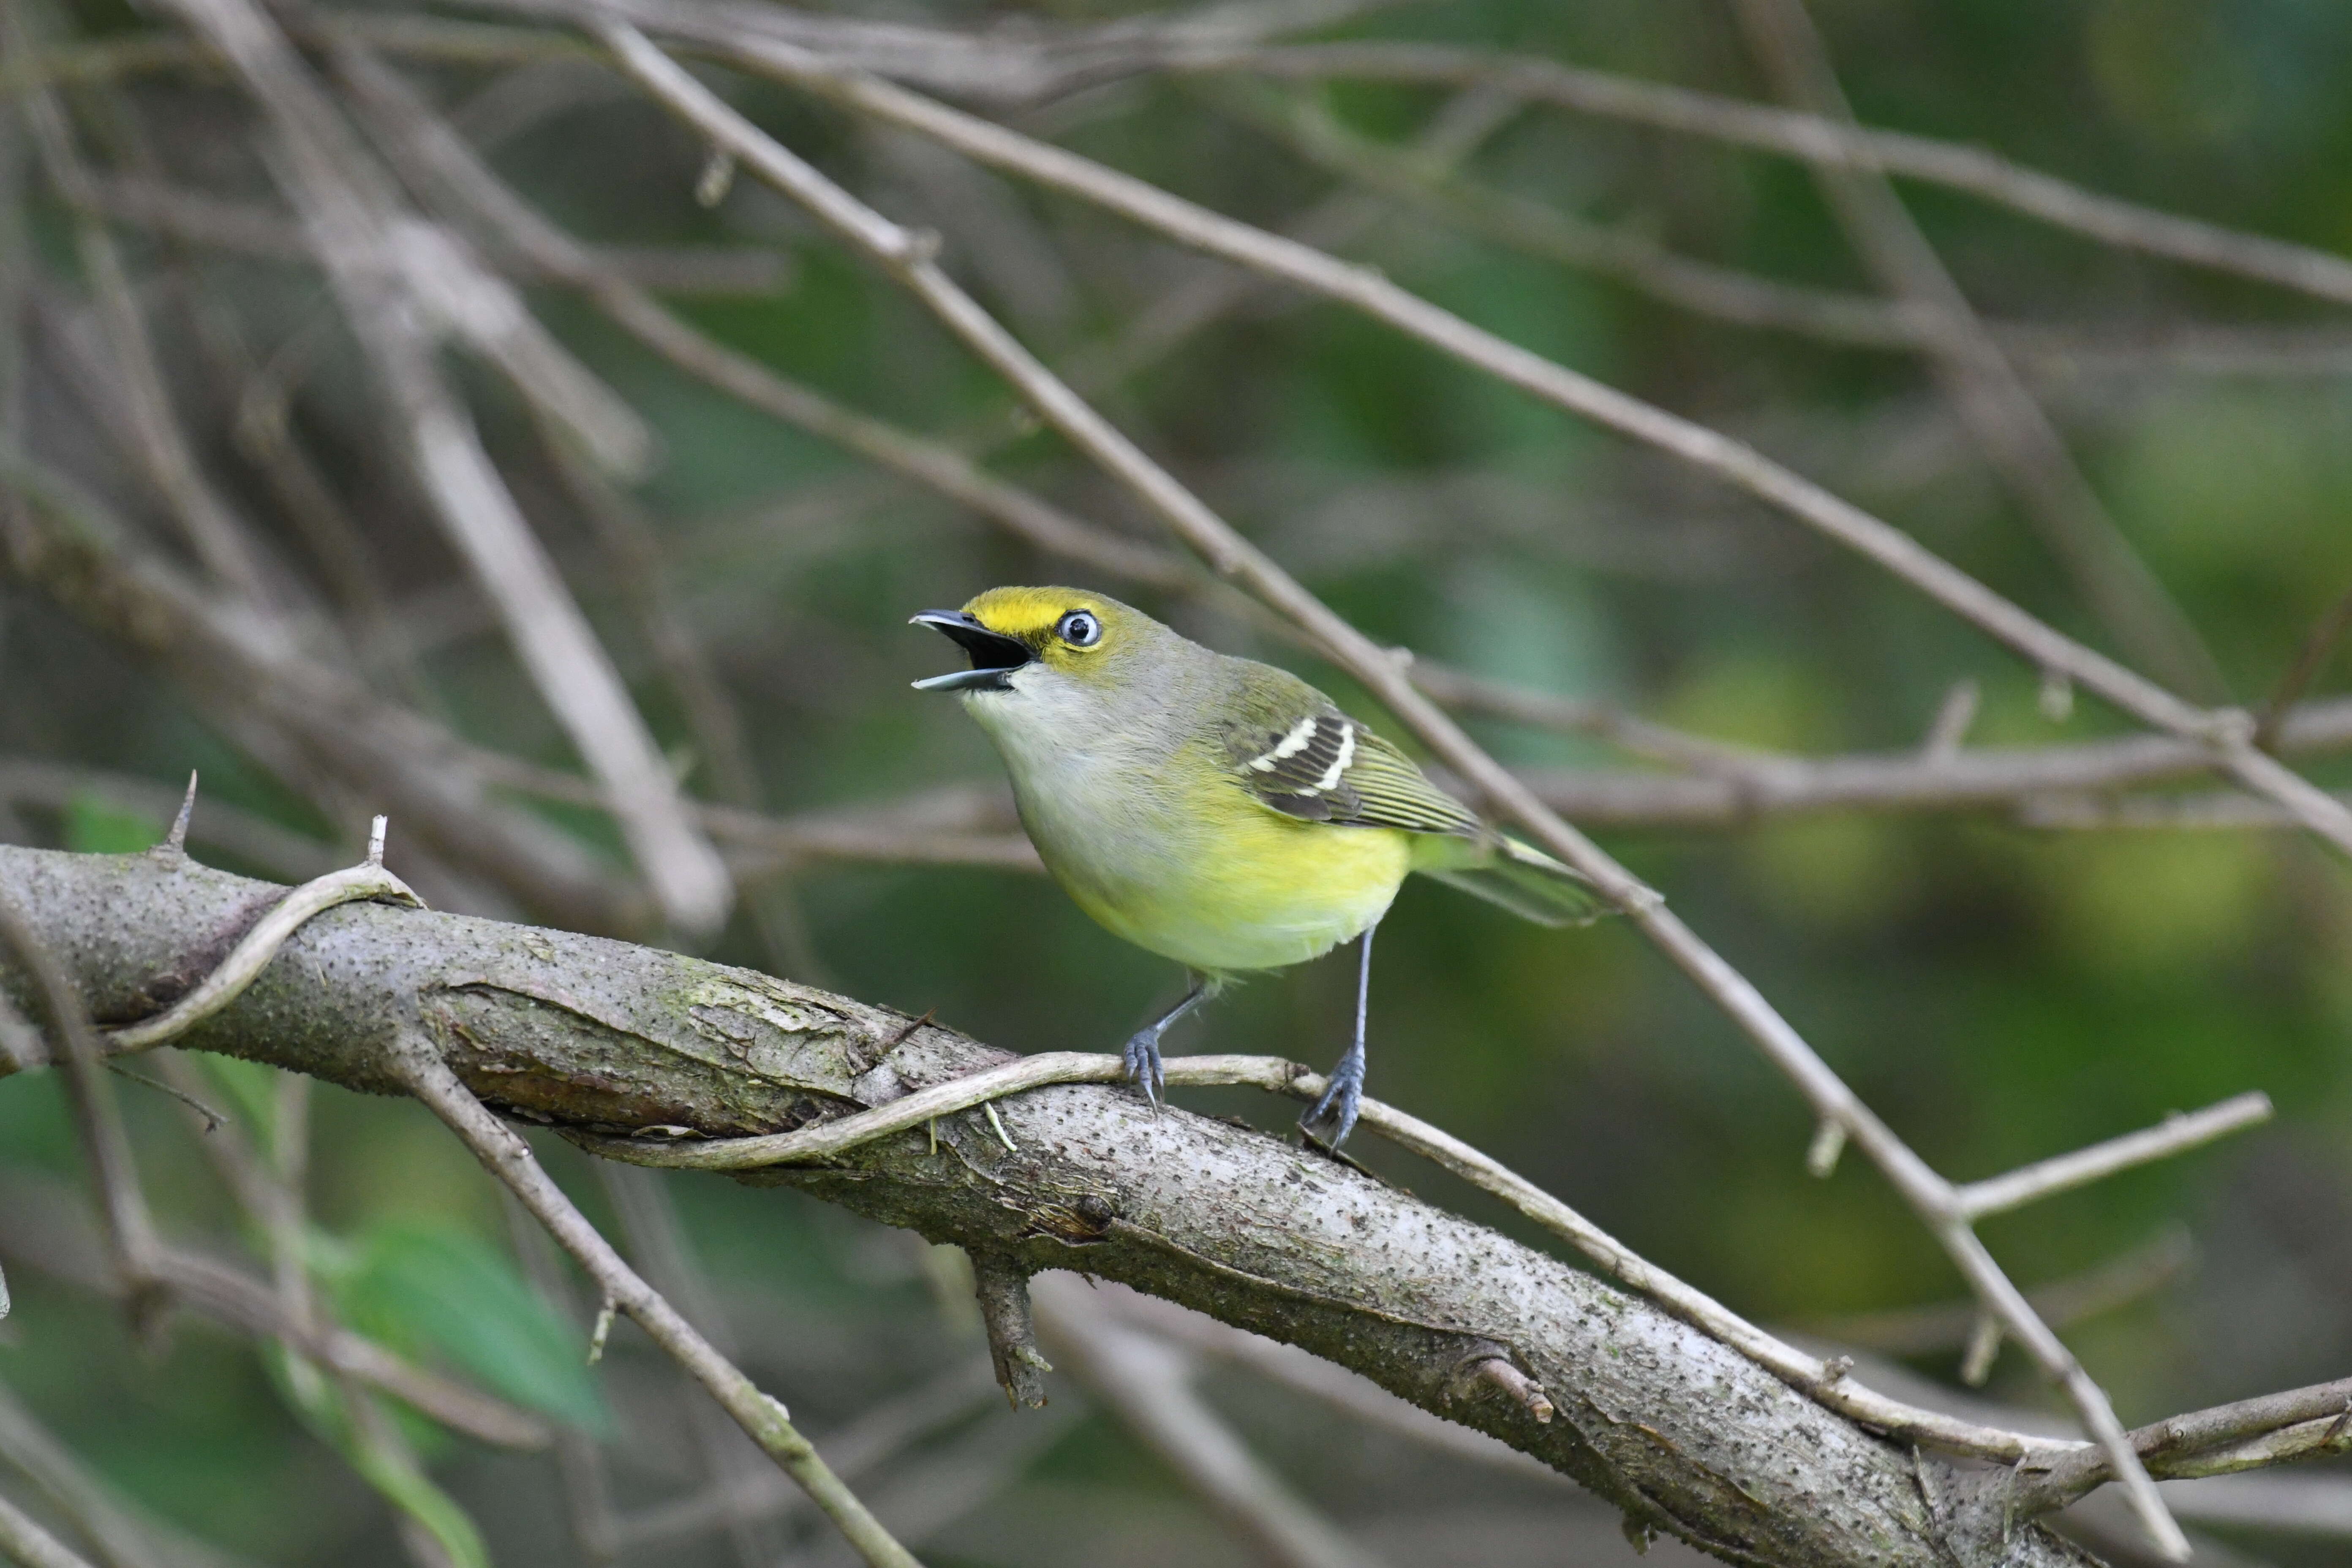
1017, 636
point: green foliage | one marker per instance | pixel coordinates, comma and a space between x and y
93, 827
432, 1289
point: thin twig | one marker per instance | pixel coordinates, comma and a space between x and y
156, 440
2308, 659
23, 1540
909, 258
398, 280
1149, 1388
1924, 1331
2177, 1134
130, 1227
1992, 401
508, 1158
1622, 253
1809, 139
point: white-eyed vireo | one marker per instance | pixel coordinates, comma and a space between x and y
1216, 810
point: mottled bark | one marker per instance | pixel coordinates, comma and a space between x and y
581, 1032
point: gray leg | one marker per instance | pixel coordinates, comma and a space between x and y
1143, 1068
1346, 1089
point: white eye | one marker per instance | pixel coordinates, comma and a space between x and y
1079, 630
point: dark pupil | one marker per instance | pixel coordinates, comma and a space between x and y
1080, 628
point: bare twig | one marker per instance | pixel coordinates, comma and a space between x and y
1809, 139
2308, 660
907, 256
2218, 1441
1622, 253
2213, 810
24, 1541
130, 1227
580, 1462
155, 438
2008, 425
1921, 1330
1147, 1385
248, 228
1950, 726
116, 1537
1001, 1286
659, 1243
507, 1157
2177, 1133
394, 278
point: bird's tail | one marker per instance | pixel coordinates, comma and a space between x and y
1524, 880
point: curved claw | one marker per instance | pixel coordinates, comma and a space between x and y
1342, 1098
1143, 1068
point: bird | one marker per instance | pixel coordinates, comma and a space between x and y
1214, 810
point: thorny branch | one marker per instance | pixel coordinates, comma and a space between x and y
378, 998
909, 258
1721, 785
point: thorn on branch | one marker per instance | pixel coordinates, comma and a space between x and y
214, 1119
717, 179
603, 1330
919, 247
1984, 1344
1003, 1288
1953, 717
375, 840
903, 1036
176, 842
1491, 1363
1829, 1142
2056, 699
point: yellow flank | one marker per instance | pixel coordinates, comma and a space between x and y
1250, 889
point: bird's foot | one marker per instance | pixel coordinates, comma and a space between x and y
1143, 1068
1342, 1097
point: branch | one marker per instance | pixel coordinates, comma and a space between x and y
65, 544
421, 1070
909, 258
401, 283
2033, 1183
593, 1034
23, 1540
157, 443
2015, 436
1149, 1389
1804, 137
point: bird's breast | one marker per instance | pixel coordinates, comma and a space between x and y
1170, 854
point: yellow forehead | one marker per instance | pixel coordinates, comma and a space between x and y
1029, 612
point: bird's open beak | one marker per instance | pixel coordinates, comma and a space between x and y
994, 656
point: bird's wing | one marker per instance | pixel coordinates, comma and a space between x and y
1323, 766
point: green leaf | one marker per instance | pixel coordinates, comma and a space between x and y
92, 827
430, 1287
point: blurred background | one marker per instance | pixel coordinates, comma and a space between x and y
2157, 459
